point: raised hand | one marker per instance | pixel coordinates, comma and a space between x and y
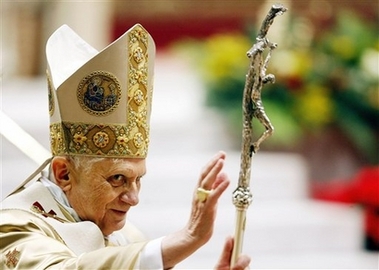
198, 230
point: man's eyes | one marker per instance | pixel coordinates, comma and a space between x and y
117, 180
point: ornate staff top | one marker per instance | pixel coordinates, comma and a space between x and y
252, 105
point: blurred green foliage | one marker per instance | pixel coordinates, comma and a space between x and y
330, 82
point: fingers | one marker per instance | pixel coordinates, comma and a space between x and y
220, 185
226, 254
212, 181
242, 263
211, 170
211, 185
228, 248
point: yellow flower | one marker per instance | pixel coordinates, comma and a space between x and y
315, 107
344, 46
290, 63
225, 56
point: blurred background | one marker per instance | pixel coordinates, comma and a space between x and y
315, 181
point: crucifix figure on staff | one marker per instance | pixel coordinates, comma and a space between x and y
252, 107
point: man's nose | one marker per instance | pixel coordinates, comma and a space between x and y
130, 196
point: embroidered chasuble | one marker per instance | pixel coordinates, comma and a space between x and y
37, 232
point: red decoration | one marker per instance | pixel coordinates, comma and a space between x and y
362, 189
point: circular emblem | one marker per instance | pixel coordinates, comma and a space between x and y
100, 139
99, 93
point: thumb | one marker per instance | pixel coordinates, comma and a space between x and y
226, 254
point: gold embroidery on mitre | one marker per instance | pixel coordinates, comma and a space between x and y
138, 89
57, 142
12, 258
99, 93
98, 140
101, 139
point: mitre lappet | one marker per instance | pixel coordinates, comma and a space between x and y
100, 102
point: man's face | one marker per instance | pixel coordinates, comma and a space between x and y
105, 194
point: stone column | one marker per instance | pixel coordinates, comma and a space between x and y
21, 38
92, 20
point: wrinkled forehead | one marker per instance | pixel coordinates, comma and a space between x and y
133, 166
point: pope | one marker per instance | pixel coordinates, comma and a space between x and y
74, 216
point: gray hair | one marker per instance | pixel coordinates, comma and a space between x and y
82, 163
85, 163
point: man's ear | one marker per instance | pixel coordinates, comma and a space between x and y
61, 171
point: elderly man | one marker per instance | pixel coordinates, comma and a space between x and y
74, 217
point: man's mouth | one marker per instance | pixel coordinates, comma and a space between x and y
119, 212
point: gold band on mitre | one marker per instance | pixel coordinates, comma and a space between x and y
98, 140
103, 108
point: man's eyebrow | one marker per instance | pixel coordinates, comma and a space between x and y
130, 170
